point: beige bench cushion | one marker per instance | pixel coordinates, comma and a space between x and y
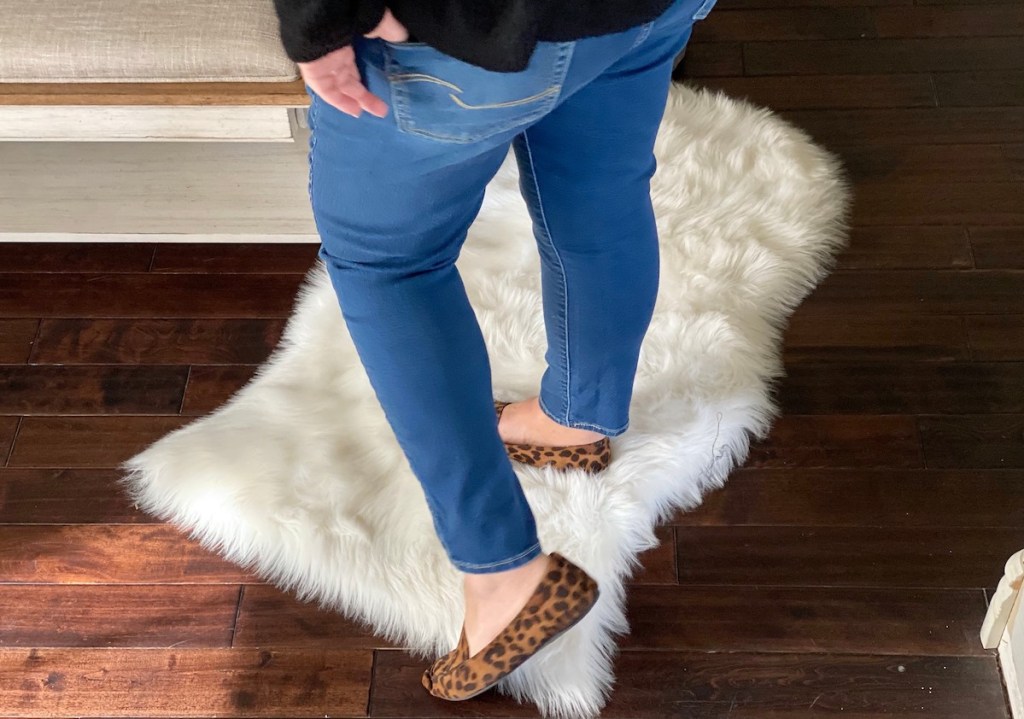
141, 41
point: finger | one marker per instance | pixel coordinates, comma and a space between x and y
355, 89
343, 102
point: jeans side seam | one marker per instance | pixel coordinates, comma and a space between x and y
561, 268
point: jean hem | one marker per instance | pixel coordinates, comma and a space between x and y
575, 424
518, 560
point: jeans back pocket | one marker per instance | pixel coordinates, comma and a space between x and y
440, 97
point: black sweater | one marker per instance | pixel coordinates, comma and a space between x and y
497, 35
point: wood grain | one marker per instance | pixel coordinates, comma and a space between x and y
71, 496
268, 616
977, 21
889, 203
912, 126
708, 59
973, 441
758, 686
290, 94
840, 57
49, 257
110, 553
8, 429
980, 89
998, 247
210, 387
923, 498
889, 557
156, 295
16, 338
917, 292
929, 164
86, 441
695, 685
787, 92
658, 565
818, 338
785, 24
102, 615
839, 441
172, 682
228, 258
906, 248
91, 389
997, 337
141, 341
911, 387
810, 620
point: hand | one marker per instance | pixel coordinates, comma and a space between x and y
335, 76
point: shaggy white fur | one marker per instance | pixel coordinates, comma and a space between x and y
299, 478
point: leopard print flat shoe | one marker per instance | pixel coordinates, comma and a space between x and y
562, 598
592, 457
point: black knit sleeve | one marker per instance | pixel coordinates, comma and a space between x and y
312, 28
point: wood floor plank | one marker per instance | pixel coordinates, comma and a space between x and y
929, 164
999, 248
694, 685
830, 23
801, 92
1015, 155
8, 428
658, 565
86, 441
974, 21
911, 125
674, 685
171, 682
980, 89
91, 389
229, 258
151, 295
973, 441
907, 248
996, 337
809, 620
142, 341
903, 388
914, 292
269, 617
110, 554
709, 59
956, 203
71, 496
929, 498
887, 55
811, 338
39, 615
884, 557
210, 387
16, 338
73, 257
838, 441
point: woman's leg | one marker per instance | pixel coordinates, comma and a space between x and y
392, 211
585, 172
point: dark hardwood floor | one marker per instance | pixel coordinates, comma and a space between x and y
842, 571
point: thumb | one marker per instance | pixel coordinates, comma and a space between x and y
389, 29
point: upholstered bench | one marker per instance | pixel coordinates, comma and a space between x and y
145, 69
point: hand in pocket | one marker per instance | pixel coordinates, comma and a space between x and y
335, 76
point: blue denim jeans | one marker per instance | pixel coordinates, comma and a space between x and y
393, 198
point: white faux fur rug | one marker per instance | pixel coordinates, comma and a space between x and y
300, 479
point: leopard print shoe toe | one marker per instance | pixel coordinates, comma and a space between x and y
591, 458
562, 598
